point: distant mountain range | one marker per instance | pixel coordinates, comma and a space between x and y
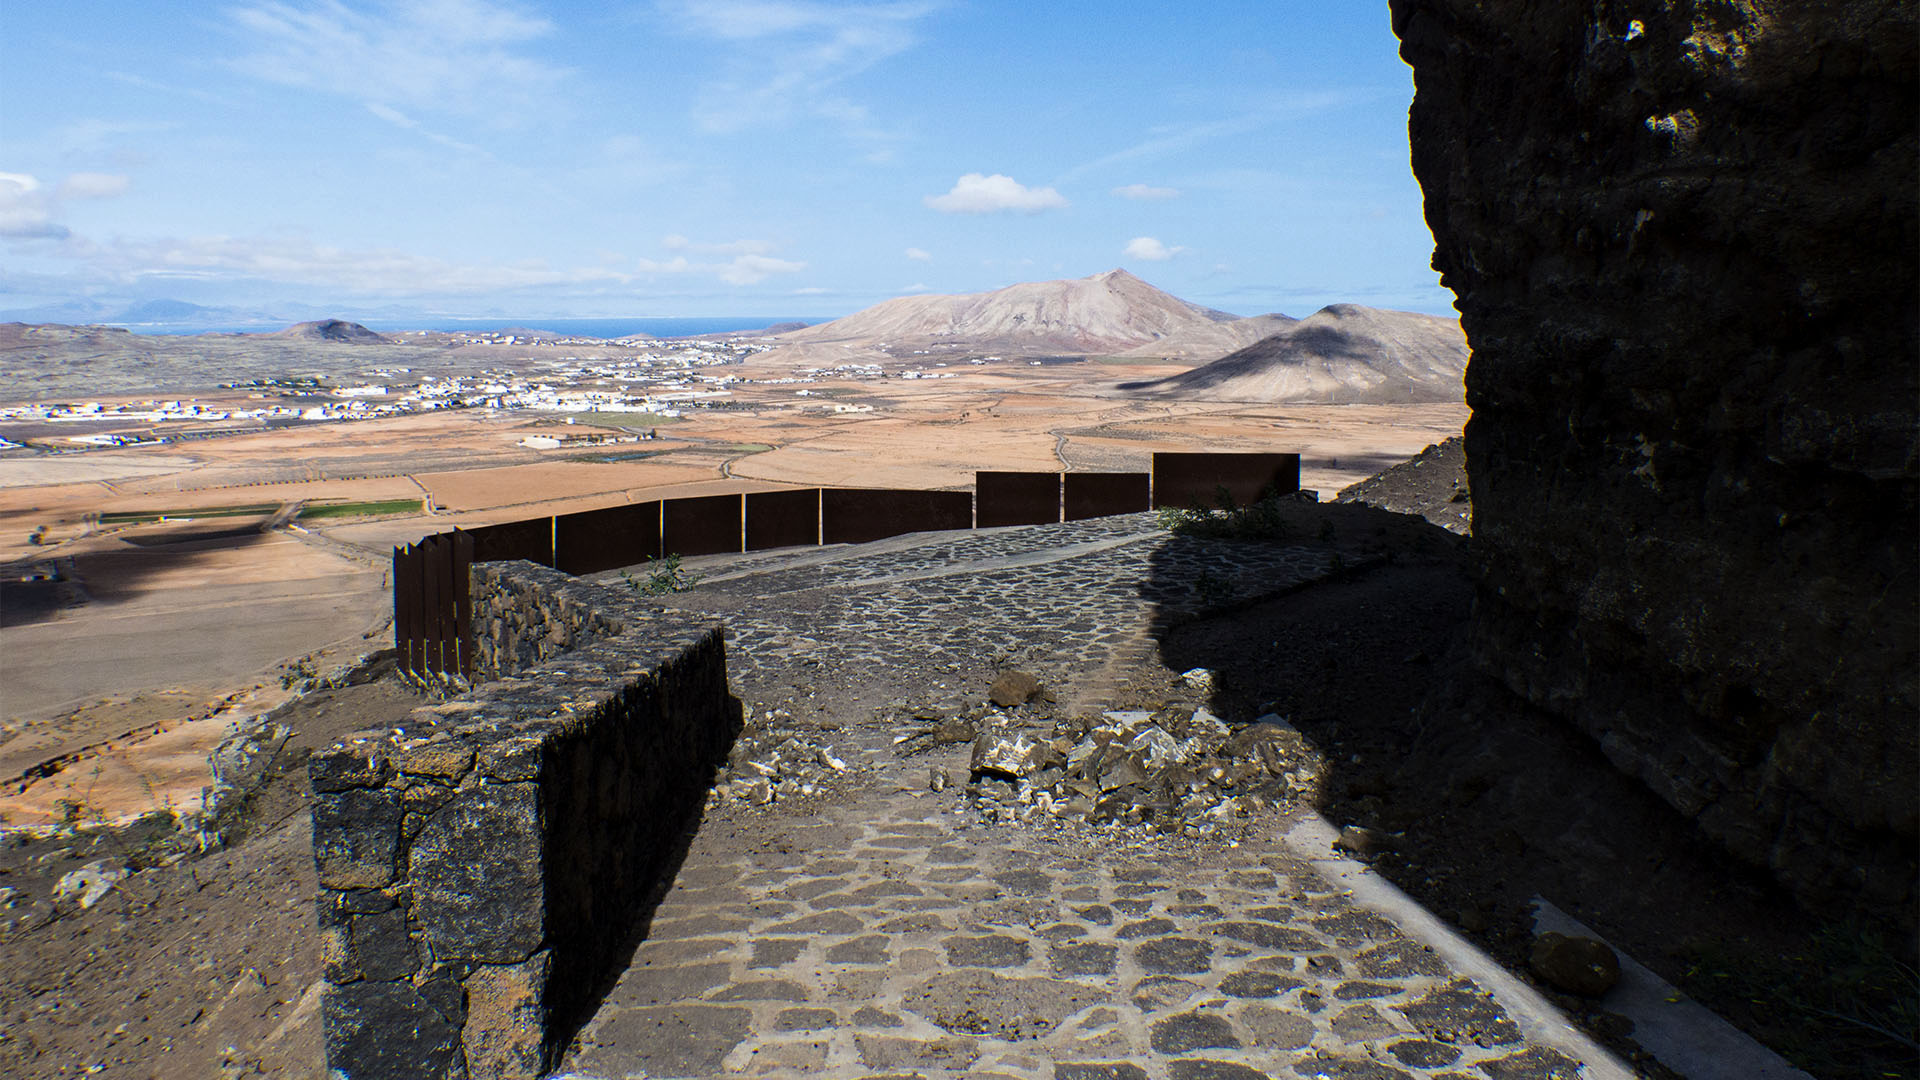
1104, 314
1343, 353
146, 313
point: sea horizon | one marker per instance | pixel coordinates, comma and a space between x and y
598, 327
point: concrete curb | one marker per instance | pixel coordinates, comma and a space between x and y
1312, 839
1679, 1032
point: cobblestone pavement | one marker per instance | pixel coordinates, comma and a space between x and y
1058, 597
883, 930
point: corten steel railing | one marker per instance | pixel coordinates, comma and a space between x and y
432, 611
432, 606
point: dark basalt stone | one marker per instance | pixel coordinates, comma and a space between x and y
1688, 278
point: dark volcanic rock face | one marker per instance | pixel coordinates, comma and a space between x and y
1683, 237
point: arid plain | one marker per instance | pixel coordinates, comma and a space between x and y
129, 672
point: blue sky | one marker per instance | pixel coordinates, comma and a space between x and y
508, 157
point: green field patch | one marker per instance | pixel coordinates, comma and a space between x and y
374, 508
749, 447
615, 458
141, 517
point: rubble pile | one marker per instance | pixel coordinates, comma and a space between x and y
771, 760
1178, 770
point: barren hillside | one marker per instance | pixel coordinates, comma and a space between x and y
1341, 354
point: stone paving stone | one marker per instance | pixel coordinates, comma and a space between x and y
1174, 956
1424, 1053
1533, 1063
1202, 1069
1338, 1068
994, 950
1092, 958
776, 952
804, 1019
1258, 984
1193, 1031
1273, 1028
1098, 1071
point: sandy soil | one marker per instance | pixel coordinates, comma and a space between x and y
206, 628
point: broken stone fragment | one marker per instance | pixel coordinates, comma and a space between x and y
1012, 757
89, 883
1014, 688
1122, 771
1156, 746
1577, 965
938, 779
1198, 679
1360, 840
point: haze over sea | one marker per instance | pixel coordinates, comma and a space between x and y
632, 326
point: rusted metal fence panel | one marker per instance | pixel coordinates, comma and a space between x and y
704, 525
1015, 498
1187, 481
531, 540
462, 552
407, 604
857, 515
437, 599
596, 540
777, 519
1092, 495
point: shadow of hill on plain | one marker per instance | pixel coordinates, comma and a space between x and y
1482, 802
118, 574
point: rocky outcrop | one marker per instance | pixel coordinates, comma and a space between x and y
1682, 235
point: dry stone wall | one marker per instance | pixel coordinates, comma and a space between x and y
1682, 235
482, 867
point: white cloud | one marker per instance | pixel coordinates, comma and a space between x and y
26, 212
1146, 247
93, 185
753, 269
790, 54
676, 242
978, 194
918, 255
916, 287
810, 290
1143, 191
452, 55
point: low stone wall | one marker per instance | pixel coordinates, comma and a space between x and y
525, 614
483, 867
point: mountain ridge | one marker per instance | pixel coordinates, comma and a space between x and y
1341, 354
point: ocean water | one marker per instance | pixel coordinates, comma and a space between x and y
644, 325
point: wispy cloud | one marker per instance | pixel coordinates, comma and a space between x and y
790, 55
407, 123
293, 258
92, 185
1143, 191
461, 56
918, 255
1150, 249
30, 211
753, 269
976, 193
736, 247
1172, 139
26, 210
